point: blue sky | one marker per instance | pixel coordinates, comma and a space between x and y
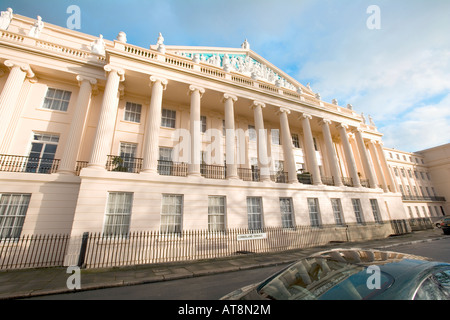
399, 74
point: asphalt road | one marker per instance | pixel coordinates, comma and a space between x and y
215, 286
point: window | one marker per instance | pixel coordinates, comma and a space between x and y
13, 208
396, 171
314, 213
254, 211
251, 133
171, 213
165, 165
128, 156
216, 213
337, 210
168, 118
376, 211
275, 134
118, 213
401, 189
203, 121
410, 213
287, 213
133, 112
42, 153
295, 141
56, 99
357, 209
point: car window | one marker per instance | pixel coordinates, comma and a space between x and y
444, 279
430, 290
321, 279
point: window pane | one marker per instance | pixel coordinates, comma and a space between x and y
171, 213
216, 213
13, 208
118, 213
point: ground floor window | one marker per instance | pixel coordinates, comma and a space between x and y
337, 211
314, 213
216, 213
118, 213
254, 211
358, 210
171, 213
287, 213
13, 208
376, 211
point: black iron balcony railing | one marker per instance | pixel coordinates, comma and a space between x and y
124, 164
305, 178
210, 171
424, 198
12, 163
249, 174
365, 183
279, 176
329, 181
170, 168
347, 181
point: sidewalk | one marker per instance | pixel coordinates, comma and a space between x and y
16, 284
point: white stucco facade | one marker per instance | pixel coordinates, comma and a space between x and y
84, 118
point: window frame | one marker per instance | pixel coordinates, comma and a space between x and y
314, 216
20, 209
168, 118
110, 228
213, 225
132, 115
176, 225
255, 219
48, 102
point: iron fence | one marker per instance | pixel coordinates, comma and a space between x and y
33, 251
97, 250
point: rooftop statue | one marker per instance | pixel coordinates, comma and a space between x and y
5, 19
245, 45
98, 46
36, 29
160, 44
122, 37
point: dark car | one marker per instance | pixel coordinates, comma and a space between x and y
445, 225
354, 274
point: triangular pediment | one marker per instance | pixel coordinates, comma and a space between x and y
241, 61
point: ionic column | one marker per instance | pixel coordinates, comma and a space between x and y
387, 169
152, 126
365, 159
287, 145
263, 159
349, 157
69, 158
310, 151
10, 95
377, 163
108, 113
195, 129
332, 157
230, 138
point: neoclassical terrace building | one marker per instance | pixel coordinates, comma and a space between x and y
105, 136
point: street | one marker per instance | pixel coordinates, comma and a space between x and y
214, 287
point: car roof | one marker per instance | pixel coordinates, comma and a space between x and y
395, 263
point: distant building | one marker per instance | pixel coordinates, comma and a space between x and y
104, 136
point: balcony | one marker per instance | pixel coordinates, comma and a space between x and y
124, 164
213, 171
12, 163
170, 168
249, 174
419, 198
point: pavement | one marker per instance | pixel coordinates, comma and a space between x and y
25, 283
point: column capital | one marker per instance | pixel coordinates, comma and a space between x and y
257, 104
324, 121
227, 96
193, 88
120, 72
283, 110
342, 125
154, 79
81, 78
305, 116
25, 67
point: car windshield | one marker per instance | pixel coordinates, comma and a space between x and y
324, 279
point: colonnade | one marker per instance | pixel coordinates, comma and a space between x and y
372, 158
